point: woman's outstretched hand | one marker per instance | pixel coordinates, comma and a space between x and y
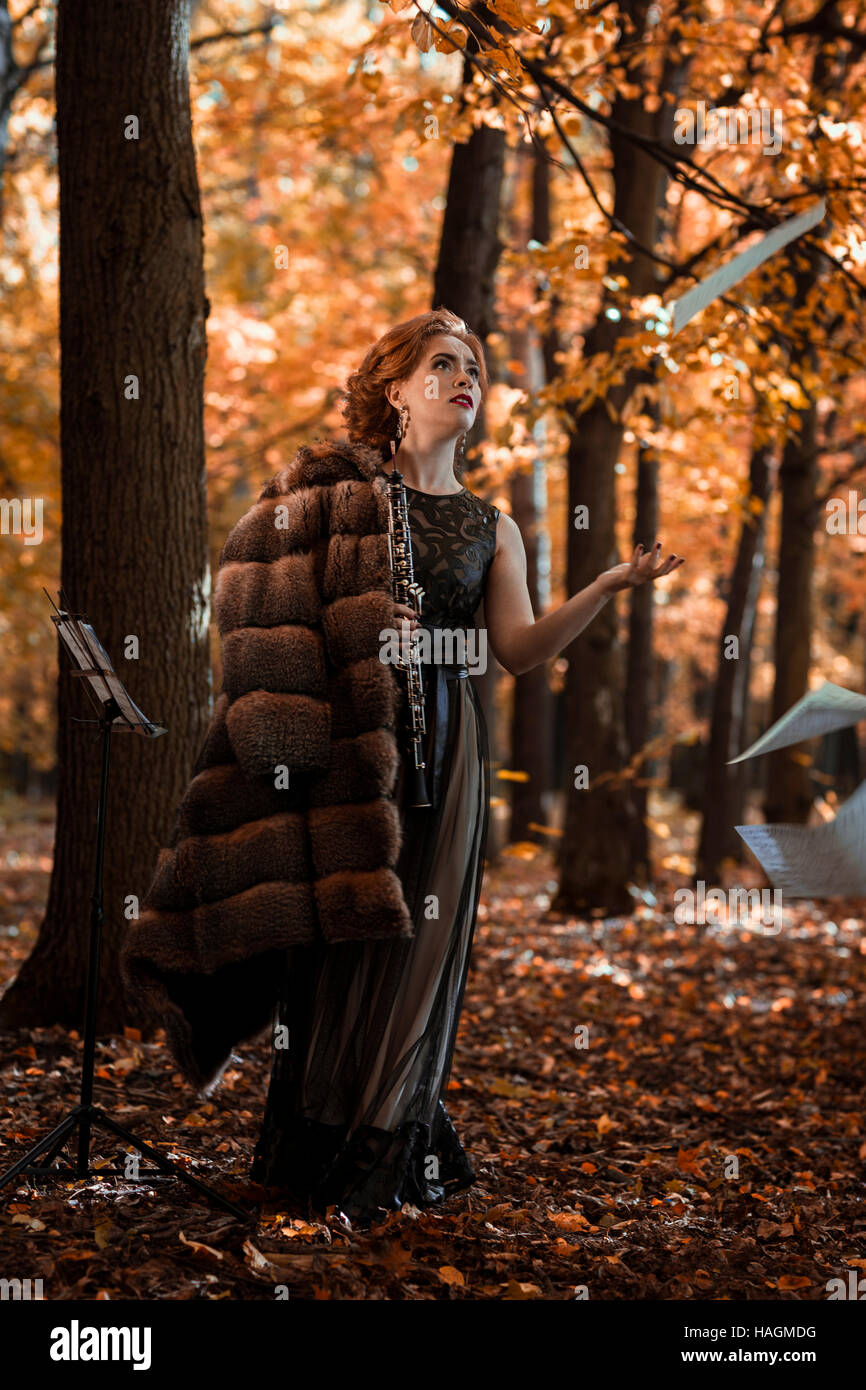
641, 569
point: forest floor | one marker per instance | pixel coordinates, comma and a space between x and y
654, 1110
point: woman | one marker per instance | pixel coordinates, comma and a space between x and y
355, 1113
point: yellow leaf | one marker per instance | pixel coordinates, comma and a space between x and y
500, 1087
517, 1290
496, 1213
198, 1248
511, 13
124, 1064
449, 1275
544, 829
102, 1233
569, 1220
522, 849
453, 38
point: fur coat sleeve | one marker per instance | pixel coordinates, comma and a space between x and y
289, 831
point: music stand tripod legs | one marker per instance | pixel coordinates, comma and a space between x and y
85, 1117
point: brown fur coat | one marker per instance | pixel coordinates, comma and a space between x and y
254, 866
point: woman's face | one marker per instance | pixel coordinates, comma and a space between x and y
444, 391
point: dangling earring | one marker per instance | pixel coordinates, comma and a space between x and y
402, 426
460, 455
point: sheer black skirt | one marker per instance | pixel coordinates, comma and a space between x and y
355, 1114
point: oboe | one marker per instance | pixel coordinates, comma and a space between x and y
405, 590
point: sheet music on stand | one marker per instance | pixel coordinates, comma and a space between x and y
822, 861
94, 664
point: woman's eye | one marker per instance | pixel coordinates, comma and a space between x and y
474, 370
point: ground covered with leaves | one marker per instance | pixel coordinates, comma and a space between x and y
655, 1111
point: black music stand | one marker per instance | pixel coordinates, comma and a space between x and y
117, 714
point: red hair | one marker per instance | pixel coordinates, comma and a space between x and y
369, 415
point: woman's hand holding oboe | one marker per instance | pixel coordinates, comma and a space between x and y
405, 614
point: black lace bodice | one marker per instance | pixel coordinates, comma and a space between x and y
453, 543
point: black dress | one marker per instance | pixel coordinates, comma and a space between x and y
355, 1114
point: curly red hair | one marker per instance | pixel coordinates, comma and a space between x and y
369, 415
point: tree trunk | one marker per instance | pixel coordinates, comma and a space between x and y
469, 247
639, 665
469, 251
8, 77
837, 767
600, 821
743, 776
717, 832
789, 790
134, 532
532, 707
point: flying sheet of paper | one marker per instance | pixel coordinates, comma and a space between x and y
813, 861
819, 712
821, 861
680, 311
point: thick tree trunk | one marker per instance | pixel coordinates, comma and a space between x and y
8, 79
469, 251
595, 854
600, 821
639, 664
717, 832
532, 705
134, 534
838, 763
789, 789
601, 832
743, 776
532, 708
469, 247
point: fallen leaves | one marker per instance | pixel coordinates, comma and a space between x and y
208, 1252
515, 1289
703, 1145
569, 1220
